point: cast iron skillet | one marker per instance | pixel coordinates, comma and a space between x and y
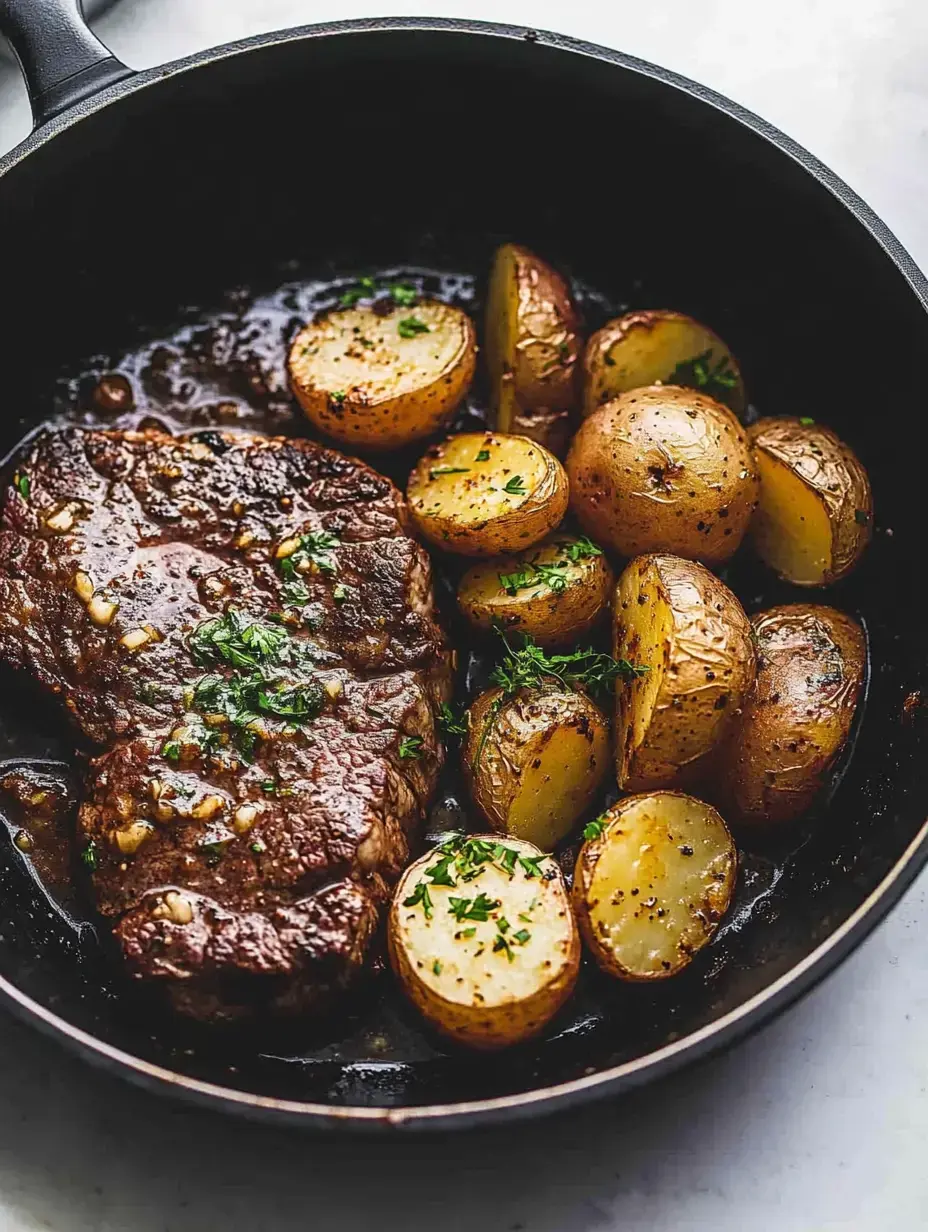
371, 143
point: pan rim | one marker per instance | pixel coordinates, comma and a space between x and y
750, 1014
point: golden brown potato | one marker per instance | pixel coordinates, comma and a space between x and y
382, 379
532, 347
487, 959
675, 617
535, 760
555, 592
652, 882
659, 346
664, 469
779, 754
815, 514
482, 493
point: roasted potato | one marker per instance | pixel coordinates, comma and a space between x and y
381, 379
555, 592
815, 514
780, 752
487, 959
652, 883
482, 493
532, 348
674, 617
658, 346
535, 760
664, 469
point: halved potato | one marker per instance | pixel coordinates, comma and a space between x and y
481, 493
815, 515
687, 627
383, 377
535, 760
664, 469
555, 592
532, 346
644, 348
652, 884
483, 940
778, 756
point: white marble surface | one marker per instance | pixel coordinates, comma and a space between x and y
816, 1125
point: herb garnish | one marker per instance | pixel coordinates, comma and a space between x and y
534, 574
340, 593
502, 944
436, 967
338, 396
806, 420
89, 855
522, 936
314, 551
410, 748
579, 549
294, 593
410, 326
404, 294
483, 455
515, 486
420, 895
593, 829
530, 668
23, 484
450, 723
478, 908
365, 287
700, 373
436, 471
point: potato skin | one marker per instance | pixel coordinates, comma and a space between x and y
387, 390
644, 347
834, 473
701, 668
509, 1017
470, 513
534, 762
664, 469
651, 888
532, 348
551, 618
811, 663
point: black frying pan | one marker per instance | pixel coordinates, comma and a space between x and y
377, 143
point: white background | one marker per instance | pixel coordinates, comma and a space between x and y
818, 1124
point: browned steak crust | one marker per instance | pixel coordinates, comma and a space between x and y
244, 864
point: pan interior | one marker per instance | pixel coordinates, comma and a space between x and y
215, 209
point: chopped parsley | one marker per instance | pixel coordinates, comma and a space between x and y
502, 944
436, 471
533, 573
257, 847
89, 855
478, 908
699, 372
436, 967
421, 895
294, 593
806, 421
338, 396
404, 294
340, 593
410, 748
236, 639
410, 326
515, 486
450, 723
522, 936
171, 750
314, 551
23, 484
483, 456
579, 549
269, 787
593, 829
529, 667
365, 288
469, 932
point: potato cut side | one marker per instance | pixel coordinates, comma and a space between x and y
652, 887
491, 957
383, 379
555, 591
484, 493
815, 515
533, 347
659, 346
534, 761
677, 619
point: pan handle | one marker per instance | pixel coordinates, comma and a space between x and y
62, 60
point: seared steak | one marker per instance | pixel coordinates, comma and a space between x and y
244, 627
